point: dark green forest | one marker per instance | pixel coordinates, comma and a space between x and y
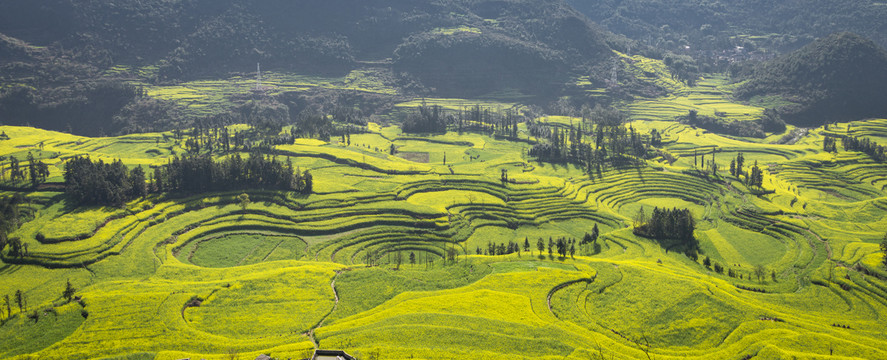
54, 55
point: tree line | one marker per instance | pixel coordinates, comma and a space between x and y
192, 174
602, 141
34, 171
864, 145
90, 182
436, 120
11, 217
21, 301
884, 250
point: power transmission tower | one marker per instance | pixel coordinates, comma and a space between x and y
258, 77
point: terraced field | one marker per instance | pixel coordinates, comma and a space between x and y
386, 260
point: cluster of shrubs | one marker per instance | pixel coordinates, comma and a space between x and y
721, 125
746, 288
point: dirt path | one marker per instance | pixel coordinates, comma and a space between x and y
564, 285
272, 250
310, 331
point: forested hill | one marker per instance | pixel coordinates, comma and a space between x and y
837, 78
710, 28
59, 58
442, 42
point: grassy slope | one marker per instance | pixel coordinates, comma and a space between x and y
266, 276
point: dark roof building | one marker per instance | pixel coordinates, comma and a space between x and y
331, 355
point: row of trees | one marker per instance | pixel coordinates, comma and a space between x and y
758, 271
195, 174
871, 148
884, 250
501, 249
98, 183
486, 120
10, 215
610, 143
22, 302
562, 246
426, 119
90, 182
35, 171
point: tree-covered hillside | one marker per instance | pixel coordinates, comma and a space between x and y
193, 38
54, 51
707, 26
837, 78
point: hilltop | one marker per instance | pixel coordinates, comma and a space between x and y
840, 77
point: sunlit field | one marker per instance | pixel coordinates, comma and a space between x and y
388, 258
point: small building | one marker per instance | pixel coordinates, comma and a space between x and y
331, 355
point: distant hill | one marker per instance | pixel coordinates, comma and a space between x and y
712, 29
837, 78
468, 42
56, 53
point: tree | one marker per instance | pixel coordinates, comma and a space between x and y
707, 262
451, 255
586, 239
309, 182
540, 245
640, 219
829, 144
244, 200
14, 171
20, 300
69, 291
550, 246
32, 169
760, 272
561, 246
757, 176
412, 258
137, 181
8, 305
884, 249
595, 233
572, 250
527, 244
740, 162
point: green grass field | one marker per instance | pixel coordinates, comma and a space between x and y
361, 264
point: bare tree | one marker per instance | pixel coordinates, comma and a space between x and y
760, 272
